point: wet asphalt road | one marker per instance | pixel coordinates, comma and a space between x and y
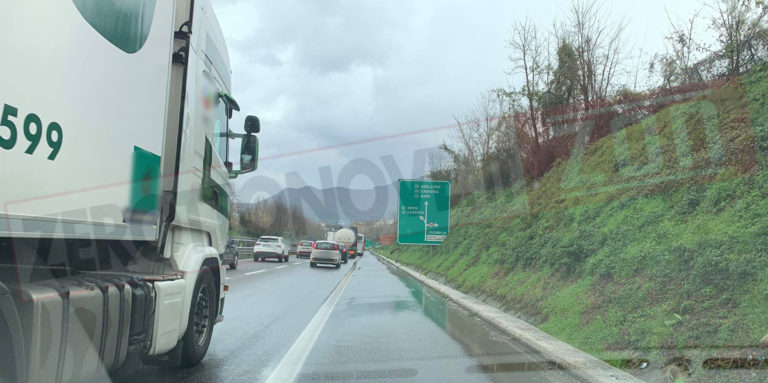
385, 326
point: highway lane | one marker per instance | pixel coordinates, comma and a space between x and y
387, 326
384, 326
263, 314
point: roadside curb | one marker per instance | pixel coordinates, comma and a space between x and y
571, 359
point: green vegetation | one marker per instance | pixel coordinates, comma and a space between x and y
647, 246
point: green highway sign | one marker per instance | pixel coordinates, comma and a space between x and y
378, 244
424, 212
368, 243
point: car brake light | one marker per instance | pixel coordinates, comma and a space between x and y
335, 246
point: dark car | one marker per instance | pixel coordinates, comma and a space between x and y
344, 253
230, 256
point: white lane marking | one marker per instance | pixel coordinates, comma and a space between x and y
297, 263
227, 278
255, 272
280, 267
293, 361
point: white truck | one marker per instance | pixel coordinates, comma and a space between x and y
116, 157
348, 237
360, 244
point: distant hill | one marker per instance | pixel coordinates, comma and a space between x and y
342, 205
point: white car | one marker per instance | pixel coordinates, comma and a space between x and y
270, 247
325, 253
304, 249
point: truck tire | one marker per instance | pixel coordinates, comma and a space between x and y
233, 265
202, 315
312, 264
338, 265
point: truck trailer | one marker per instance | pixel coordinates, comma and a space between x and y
348, 237
360, 244
117, 156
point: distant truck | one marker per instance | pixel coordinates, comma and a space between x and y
348, 237
360, 244
115, 145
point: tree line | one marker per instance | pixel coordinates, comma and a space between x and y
272, 217
581, 62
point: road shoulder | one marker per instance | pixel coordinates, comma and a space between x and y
577, 362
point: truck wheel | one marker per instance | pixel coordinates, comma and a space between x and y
202, 314
312, 264
338, 265
233, 265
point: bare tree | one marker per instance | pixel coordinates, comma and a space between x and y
741, 33
528, 56
677, 66
599, 48
474, 140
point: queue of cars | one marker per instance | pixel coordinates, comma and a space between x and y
275, 247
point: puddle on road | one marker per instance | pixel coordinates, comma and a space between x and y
503, 359
499, 357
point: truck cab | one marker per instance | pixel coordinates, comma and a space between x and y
120, 133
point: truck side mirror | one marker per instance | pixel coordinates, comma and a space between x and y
252, 125
249, 153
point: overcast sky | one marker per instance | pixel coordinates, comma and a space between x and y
324, 73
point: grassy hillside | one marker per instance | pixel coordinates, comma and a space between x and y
631, 250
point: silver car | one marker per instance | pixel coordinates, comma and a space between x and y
325, 253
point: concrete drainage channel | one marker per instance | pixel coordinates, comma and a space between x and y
582, 365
